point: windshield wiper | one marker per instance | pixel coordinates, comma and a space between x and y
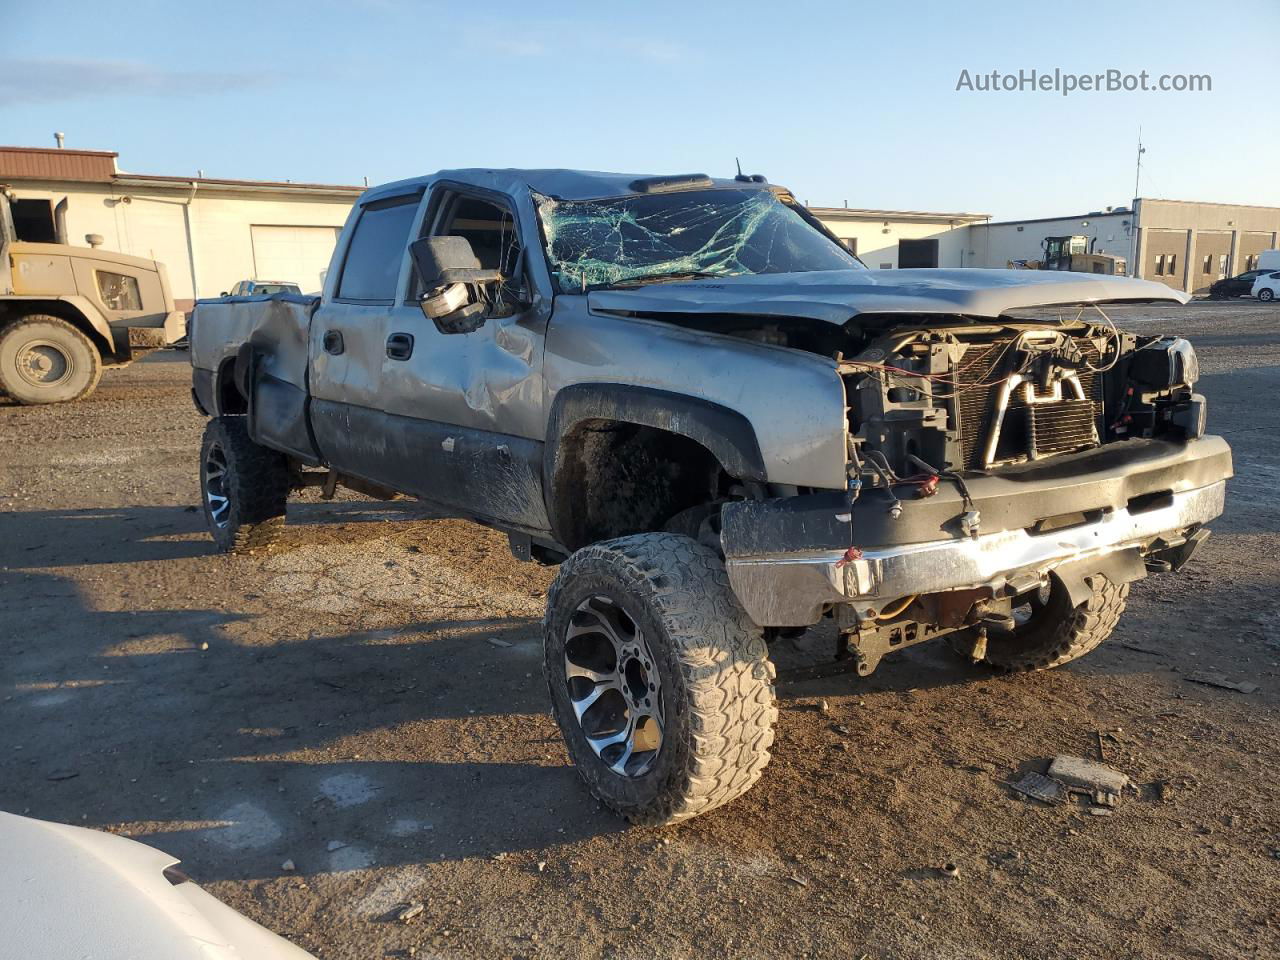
672, 277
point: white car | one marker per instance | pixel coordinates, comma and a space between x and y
262, 288
70, 892
1267, 286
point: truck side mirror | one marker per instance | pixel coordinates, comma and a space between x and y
456, 296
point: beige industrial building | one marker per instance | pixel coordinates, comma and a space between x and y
211, 233
208, 233
1184, 244
897, 239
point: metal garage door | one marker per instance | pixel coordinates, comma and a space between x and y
294, 254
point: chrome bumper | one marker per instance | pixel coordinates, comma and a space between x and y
791, 589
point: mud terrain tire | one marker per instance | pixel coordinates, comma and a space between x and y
244, 487
1058, 633
654, 613
44, 359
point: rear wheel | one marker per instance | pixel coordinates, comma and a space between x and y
244, 487
1050, 631
44, 359
660, 682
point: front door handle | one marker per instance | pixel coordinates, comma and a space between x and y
400, 346
332, 342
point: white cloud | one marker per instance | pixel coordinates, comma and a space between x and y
53, 80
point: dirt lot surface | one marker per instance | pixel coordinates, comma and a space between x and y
367, 702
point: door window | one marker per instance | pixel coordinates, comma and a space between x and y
377, 249
494, 235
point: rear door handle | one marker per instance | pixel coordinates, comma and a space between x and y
332, 342
400, 346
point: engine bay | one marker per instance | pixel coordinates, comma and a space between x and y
974, 399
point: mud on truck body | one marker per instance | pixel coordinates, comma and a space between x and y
724, 429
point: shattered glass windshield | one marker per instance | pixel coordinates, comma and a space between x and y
687, 234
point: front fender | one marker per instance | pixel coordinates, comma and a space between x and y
726, 433
791, 402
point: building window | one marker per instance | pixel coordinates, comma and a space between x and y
1251, 262
377, 249
850, 244
1173, 264
1159, 264
1222, 266
1208, 264
118, 292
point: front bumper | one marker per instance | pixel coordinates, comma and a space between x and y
1118, 510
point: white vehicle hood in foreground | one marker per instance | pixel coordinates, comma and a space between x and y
838, 295
68, 893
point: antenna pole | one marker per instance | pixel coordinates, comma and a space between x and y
1137, 173
1133, 209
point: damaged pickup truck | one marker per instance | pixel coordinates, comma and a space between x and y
724, 429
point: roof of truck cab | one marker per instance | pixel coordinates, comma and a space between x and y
561, 184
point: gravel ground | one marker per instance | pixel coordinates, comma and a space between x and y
366, 702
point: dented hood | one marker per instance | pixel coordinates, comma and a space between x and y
838, 295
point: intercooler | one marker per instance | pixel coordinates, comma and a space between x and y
1028, 431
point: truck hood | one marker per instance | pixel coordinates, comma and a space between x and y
838, 295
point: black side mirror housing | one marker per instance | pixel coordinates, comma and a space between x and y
454, 282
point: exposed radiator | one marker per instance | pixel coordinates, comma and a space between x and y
1045, 429
1062, 427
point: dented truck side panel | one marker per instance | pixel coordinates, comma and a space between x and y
793, 400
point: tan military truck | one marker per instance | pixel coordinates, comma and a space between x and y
65, 311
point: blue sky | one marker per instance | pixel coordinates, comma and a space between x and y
843, 102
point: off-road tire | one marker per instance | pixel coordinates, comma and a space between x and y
46, 339
1266, 294
716, 678
1057, 632
255, 481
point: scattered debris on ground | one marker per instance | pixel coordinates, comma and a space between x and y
1224, 682
405, 914
1085, 774
1039, 787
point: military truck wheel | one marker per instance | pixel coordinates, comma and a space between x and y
660, 682
244, 487
44, 359
1051, 632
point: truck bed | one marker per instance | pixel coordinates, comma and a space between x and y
279, 323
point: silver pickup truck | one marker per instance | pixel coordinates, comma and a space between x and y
724, 429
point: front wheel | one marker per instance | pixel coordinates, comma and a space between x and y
244, 487
1050, 632
44, 359
1266, 295
660, 682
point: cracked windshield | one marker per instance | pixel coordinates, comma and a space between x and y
688, 234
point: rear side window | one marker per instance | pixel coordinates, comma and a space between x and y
377, 249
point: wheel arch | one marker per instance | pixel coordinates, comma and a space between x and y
229, 389
724, 436
74, 310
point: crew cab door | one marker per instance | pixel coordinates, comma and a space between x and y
464, 411
349, 334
